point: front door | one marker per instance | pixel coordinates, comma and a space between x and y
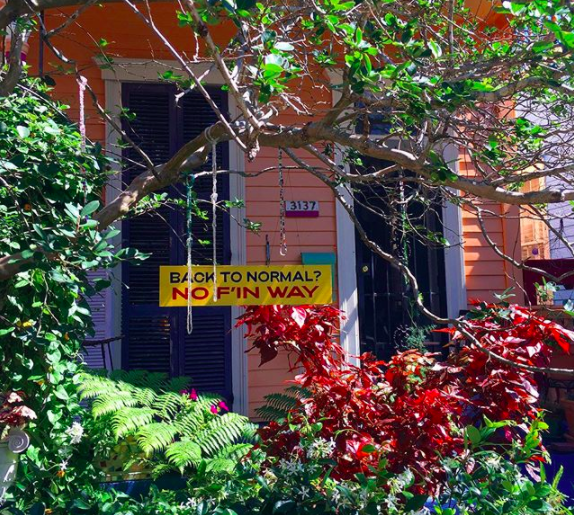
386, 308
156, 338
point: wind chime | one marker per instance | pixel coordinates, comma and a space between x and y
189, 229
282, 207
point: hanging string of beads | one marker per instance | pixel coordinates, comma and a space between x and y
82, 83
282, 207
189, 247
214, 210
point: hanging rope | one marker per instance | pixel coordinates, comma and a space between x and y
214, 210
82, 83
282, 207
189, 246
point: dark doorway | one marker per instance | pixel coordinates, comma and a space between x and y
386, 308
155, 338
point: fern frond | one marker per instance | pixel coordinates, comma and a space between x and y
129, 420
234, 451
278, 405
219, 432
169, 404
176, 384
219, 465
112, 402
249, 433
190, 422
155, 437
144, 396
156, 380
161, 469
270, 414
92, 386
183, 453
173, 431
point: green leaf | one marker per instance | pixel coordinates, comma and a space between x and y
416, 503
61, 393
435, 49
22, 131
283, 46
90, 207
473, 435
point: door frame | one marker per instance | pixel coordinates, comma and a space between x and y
456, 297
146, 70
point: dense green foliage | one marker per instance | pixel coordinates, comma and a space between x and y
480, 481
174, 429
49, 188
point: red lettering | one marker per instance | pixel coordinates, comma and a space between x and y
295, 292
223, 290
175, 293
310, 291
253, 293
199, 293
277, 291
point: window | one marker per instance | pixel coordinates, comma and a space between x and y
156, 338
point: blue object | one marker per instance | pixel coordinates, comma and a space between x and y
321, 258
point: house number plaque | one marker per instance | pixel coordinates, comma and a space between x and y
302, 208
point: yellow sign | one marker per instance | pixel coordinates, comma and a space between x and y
246, 285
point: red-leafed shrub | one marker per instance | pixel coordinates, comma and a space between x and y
13, 412
412, 411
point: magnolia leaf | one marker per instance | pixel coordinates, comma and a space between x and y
435, 49
90, 207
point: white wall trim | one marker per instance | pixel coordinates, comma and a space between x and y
455, 277
146, 70
347, 277
346, 260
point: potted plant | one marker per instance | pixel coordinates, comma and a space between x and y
13, 440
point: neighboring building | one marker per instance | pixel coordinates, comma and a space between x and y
368, 290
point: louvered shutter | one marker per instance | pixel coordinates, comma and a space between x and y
156, 338
206, 353
94, 355
146, 327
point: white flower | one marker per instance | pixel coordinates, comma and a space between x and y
404, 479
422, 511
336, 496
493, 461
190, 503
304, 492
64, 465
321, 448
290, 467
75, 432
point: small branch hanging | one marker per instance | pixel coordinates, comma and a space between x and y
189, 247
282, 208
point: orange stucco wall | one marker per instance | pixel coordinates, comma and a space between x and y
129, 37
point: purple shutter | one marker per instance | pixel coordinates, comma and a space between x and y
94, 355
155, 338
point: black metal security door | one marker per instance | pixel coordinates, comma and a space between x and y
385, 299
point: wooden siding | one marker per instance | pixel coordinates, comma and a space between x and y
486, 271
128, 37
